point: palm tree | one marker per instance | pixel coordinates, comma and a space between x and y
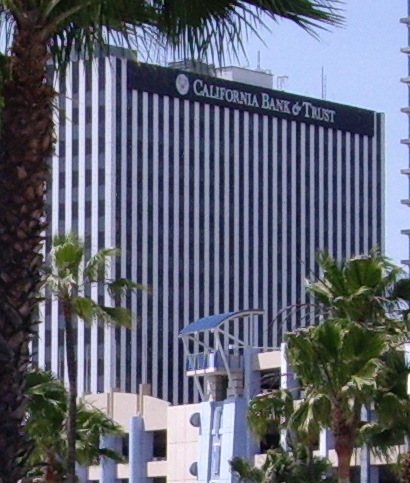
48, 409
40, 30
292, 466
341, 367
368, 289
68, 276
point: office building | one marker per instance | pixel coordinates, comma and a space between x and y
218, 192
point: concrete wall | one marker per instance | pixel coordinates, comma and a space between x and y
182, 444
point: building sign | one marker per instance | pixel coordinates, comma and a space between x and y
195, 87
263, 100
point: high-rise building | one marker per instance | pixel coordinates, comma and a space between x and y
218, 192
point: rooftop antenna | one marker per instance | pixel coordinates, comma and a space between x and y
324, 83
259, 60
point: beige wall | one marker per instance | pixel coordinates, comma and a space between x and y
182, 449
155, 413
122, 406
266, 360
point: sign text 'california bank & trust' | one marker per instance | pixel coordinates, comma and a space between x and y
263, 100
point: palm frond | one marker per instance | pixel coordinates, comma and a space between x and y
211, 30
120, 286
120, 316
96, 268
67, 254
245, 471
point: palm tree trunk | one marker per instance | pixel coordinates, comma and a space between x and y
344, 454
72, 381
26, 144
344, 435
310, 462
50, 473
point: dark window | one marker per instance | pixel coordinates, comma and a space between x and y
160, 445
126, 446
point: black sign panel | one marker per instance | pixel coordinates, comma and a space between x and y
212, 90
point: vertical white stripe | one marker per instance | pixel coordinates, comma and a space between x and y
68, 190
340, 197
267, 290
175, 228
226, 230
284, 248
207, 209
245, 198
166, 234
303, 209
155, 247
347, 205
322, 212
41, 350
206, 229
330, 194
187, 223
145, 322
95, 350
134, 237
313, 159
374, 193
194, 225
237, 159
256, 214
217, 202
366, 194
357, 228
110, 156
275, 229
81, 208
295, 255
123, 195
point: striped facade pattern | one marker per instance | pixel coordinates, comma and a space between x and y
215, 208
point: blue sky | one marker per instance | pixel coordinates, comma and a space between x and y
363, 66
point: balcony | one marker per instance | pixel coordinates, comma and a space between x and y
212, 363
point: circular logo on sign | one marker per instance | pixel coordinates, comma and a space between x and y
182, 84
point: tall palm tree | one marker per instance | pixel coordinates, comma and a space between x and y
368, 289
40, 30
68, 276
341, 366
47, 410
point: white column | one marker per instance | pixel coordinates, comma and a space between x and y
135, 454
141, 444
108, 467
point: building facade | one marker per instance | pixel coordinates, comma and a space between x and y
219, 195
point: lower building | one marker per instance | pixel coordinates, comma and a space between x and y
194, 442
